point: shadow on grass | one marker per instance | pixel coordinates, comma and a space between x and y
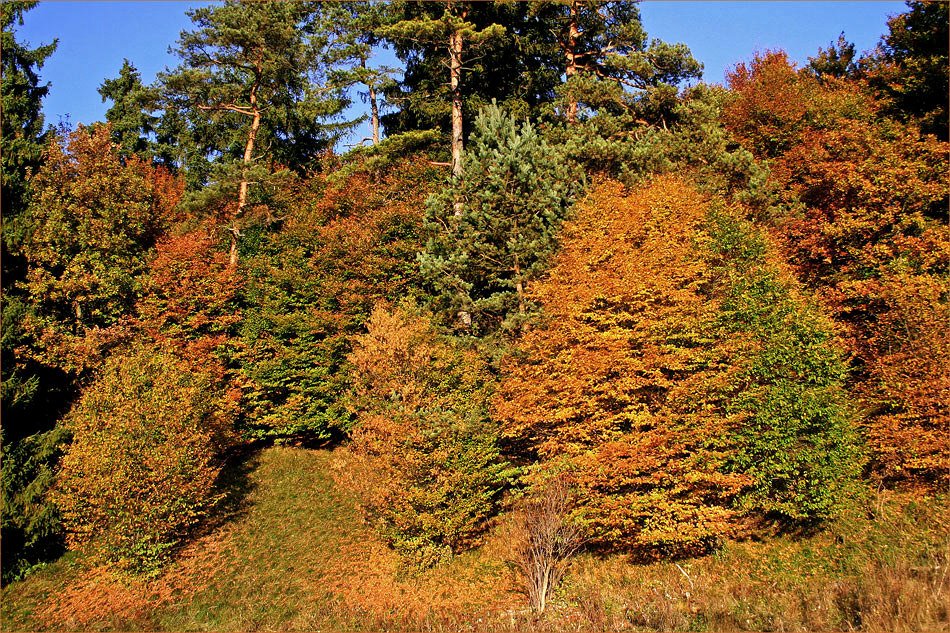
235, 484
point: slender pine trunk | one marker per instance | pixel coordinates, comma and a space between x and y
245, 165
519, 285
455, 76
373, 106
572, 34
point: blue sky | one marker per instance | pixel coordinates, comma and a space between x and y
94, 37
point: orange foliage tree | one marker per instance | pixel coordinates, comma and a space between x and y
667, 377
429, 468
863, 216
141, 469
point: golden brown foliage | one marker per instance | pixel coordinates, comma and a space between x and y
678, 375
141, 468
430, 471
620, 382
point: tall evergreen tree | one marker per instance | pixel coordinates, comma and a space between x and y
30, 526
520, 69
910, 67
445, 25
24, 134
130, 113
836, 61
353, 28
514, 191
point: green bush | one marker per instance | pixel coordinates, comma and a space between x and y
797, 441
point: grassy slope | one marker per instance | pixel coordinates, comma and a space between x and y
292, 553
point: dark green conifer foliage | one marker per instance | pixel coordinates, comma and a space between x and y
446, 27
915, 74
130, 113
836, 61
30, 529
519, 68
513, 192
353, 28
24, 140
609, 63
23, 129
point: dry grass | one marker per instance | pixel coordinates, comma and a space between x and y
294, 554
886, 573
101, 595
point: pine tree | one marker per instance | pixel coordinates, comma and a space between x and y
607, 55
520, 68
352, 27
250, 67
513, 191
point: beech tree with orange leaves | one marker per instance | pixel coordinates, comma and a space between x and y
678, 376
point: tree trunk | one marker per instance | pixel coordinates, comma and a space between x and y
455, 70
519, 285
232, 262
572, 35
242, 187
455, 81
373, 107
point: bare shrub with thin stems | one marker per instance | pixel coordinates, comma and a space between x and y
544, 540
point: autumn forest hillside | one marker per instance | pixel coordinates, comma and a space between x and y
575, 341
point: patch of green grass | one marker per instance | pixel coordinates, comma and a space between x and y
284, 521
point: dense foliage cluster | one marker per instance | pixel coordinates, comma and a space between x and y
495, 228
863, 215
743, 321
432, 469
678, 376
311, 286
141, 468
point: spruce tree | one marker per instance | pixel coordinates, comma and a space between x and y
29, 394
24, 132
130, 113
